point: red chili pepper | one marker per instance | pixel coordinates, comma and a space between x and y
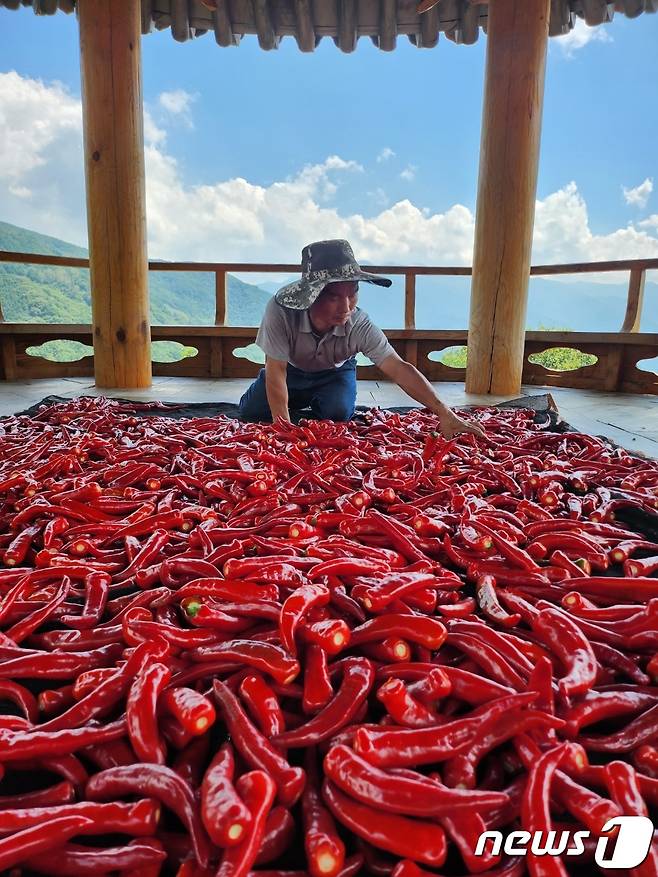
17, 550
295, 608
464, 830
325, 851
535, 809
405, 792
143, 857
21, 697
263, 705
225, 815
228, 589
18, 745
27, 625
483, 648
96, 593
139, 818
61, 793
279, 833
409, 838
599, 706
395, 532
573, 649
141, 712
257, 790
191, 709
256, 749
358, 679
413, 747
32, 841
318, 690
110, 691
262, 656
403, 707
332, 635
427, 632
645, 759
159, 782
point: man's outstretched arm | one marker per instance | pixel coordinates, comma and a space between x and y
276, 387
416, 385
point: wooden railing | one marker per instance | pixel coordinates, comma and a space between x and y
617, 352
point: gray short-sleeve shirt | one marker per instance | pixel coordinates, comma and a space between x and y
287, 334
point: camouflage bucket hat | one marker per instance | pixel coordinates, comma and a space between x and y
324, 262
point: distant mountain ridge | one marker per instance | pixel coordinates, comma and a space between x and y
48, 294
41, 293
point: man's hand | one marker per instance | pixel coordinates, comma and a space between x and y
451, 425
409, 379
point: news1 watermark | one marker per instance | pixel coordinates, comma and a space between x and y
625, 842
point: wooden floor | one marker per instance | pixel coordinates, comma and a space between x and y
630, 421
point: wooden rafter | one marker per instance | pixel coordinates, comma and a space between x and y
388, 25
347, 25
346, 21
265, 28
305, 35
222, 25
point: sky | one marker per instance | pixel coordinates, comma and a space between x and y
252, 154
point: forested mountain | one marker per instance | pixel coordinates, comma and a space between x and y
45, 294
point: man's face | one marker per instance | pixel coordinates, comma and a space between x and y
336, 303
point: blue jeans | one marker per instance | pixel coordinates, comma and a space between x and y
331, 394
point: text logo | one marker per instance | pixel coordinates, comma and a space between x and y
633, 842
629, 837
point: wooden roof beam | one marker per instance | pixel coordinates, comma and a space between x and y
561, 18
633, 8
147, 16
597, 12
221, 19
45, 7
265, 30
388, 25
180, 21
347, 26
305, 33
429, 29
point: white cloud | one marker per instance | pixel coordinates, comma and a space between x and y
41, 159
153, 134
178, 103
562, 234
41, 187
20, 191
385, 154
639, 196
409, 173
581, 35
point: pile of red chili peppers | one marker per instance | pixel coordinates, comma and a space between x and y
324, 649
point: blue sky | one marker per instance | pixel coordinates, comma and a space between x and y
250, 154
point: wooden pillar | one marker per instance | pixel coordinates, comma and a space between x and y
517, 38
110, 58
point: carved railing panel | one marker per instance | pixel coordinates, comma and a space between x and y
220, 348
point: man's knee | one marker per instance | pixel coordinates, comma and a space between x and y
254, 405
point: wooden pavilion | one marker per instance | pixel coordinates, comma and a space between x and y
517, 38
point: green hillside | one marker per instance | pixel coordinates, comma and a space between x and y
45, 294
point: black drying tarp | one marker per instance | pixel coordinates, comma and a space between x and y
546, 417
546, 412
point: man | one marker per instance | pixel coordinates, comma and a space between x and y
311, 332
